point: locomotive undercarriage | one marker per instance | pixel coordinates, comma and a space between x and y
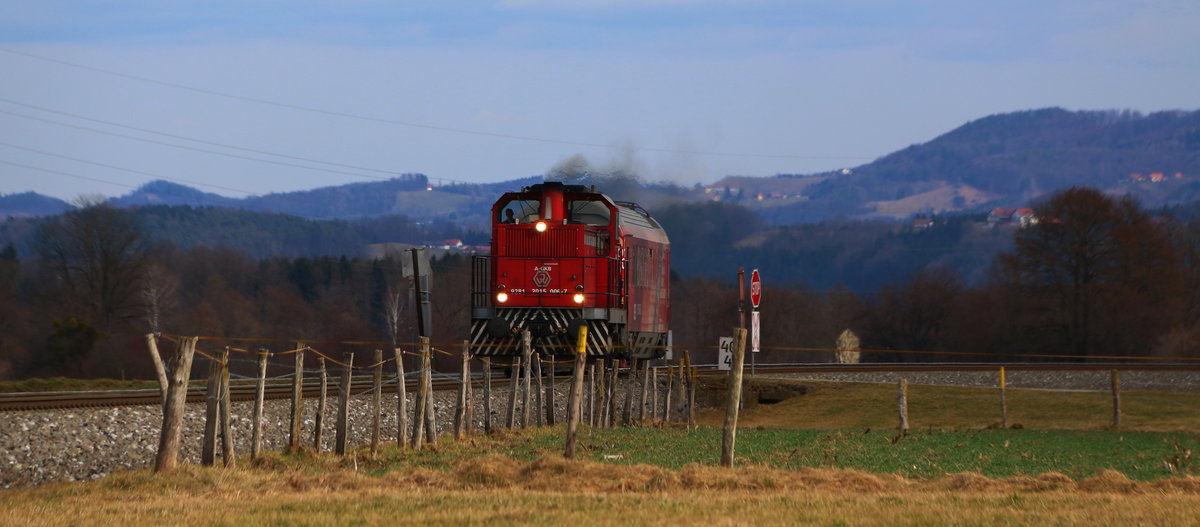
554, 330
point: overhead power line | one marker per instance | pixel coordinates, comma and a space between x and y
409, 124
123, 169
192, 148
193, 139
76, 176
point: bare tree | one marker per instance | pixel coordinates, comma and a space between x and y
158, 294
97, 257
1099, 274
395, 298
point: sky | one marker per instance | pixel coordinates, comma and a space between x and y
250, 97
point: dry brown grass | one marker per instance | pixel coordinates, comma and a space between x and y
552, 490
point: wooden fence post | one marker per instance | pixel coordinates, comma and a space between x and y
610, 413
602, 398
630, 390
645, 397
377, 402
319, 422
430, 416
526, 372
419, 408
601, 392
514, 387
733, 397
691, 390
600, 375
227, 454
297, 400
159, 369
401, 399
1003, 400
259, 395
1116, 397
902, 405
212, 396
487, 395
343, 420
654, 392
591, 393
575, 403
666, 417
541, 401
681, 393
181, 372
461, 417
550, 395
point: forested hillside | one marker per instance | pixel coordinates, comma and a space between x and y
264, 234
713, 239
1016, 157
98, 280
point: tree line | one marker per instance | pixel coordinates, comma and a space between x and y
1097, 277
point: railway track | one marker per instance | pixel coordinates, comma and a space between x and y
245, 391
237, 392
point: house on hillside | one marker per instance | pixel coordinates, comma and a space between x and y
1023, 217
1000, 217
920, 224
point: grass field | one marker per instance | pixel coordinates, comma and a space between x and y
832, 458
659, 476
827, 405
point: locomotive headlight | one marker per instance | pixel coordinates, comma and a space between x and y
540, 226
502, 297
578, 298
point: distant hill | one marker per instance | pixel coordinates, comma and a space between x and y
1004, 160
1012, 159
167, 193
30, 204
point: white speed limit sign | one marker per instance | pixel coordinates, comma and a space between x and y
725, 354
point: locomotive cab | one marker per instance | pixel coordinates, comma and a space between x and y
564, 256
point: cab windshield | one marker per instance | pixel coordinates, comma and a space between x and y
519, 210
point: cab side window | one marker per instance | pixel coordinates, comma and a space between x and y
588, 212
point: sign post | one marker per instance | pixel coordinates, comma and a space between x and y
755, 298
754, 322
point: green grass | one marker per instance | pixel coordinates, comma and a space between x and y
860, 406
1078, 454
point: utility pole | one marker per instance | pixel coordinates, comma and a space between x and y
741, 297
421, 296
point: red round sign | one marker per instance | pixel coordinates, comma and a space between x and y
755, 288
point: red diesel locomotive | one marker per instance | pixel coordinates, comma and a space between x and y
563, 256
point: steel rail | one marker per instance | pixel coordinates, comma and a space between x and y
239, 391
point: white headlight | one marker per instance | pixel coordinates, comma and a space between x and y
540, 226
578, 298
502, 297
